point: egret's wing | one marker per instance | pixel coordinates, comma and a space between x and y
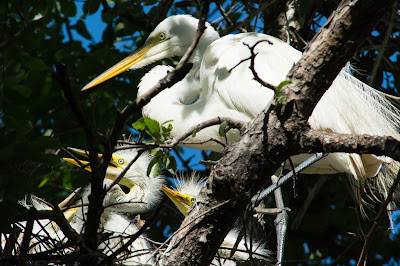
187, 90
223, 70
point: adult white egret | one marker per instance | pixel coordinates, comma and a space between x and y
184, 197
219, 85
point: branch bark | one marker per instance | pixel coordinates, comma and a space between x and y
243, 169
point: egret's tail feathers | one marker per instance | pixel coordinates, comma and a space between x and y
245, 249
377, 188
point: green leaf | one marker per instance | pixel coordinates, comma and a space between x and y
281, 99
152, 125
156, 152
68, 8
223, 128
281, 85
194, 132
93, 6
172, 166
80, 27
24, 91
155, 166
139, 124
34, 63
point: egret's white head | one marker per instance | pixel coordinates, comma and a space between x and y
144, 190
172, 37
186, 192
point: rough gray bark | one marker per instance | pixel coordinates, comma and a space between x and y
274, 135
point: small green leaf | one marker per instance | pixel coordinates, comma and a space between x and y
194, 132
151, 164
156, 169
68, 8
139, 124
282, 84
152, 126
34, 63
223, 128
24, 91
281, 99
93, 6
156, 152
44, 182
172, 166
80, 27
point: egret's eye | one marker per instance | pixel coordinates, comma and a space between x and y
162, 35
121, 161
193, 200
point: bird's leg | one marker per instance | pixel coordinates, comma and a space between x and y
280, 222
261, 195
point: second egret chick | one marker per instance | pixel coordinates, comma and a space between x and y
184, 197
144, 192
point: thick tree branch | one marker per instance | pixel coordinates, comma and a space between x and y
315, 141
246, 164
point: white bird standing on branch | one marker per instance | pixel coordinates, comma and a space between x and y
185, 196
221, 83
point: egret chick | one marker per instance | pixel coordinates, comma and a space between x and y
184, 197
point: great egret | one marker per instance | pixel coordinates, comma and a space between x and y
144, 192
221, 84
184, 197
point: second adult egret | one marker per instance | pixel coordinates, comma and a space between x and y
220, 83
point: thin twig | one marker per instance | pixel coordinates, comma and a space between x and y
374, 227
215, 121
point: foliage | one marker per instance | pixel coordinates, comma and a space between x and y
36, 122
158, 134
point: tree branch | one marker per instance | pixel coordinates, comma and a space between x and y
315, 141
215, 121
98, 169
245, 164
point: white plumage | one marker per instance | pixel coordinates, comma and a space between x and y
184, 197
144, 192
219, 85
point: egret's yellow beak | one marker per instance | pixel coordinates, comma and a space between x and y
115, 167
116, 162
182, 201
120, 67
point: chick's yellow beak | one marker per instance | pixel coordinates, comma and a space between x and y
116, 163
182, 201
120, 67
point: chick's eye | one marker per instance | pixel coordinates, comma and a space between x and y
192, 200
162, 35
121, 161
